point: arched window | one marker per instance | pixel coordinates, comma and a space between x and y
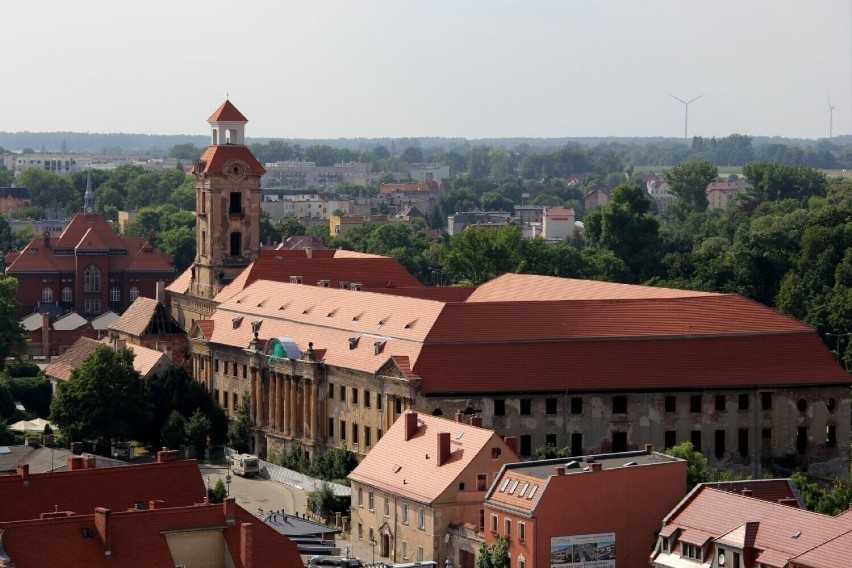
47, 295
67, 294
236, 243
92, 279
134, 293
115, 294
87, 280
96, 279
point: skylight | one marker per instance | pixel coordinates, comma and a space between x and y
514, 486
505, 485
523, 489
532, 491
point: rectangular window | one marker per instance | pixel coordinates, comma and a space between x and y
405, 513
831, 436
360, 497
421, 518
378, 434
371, 501
462, 485
720, 444
507, 527
619, 441
695, 403
405, 550
342, 393
802, 439
331, 427
766, 401
743, 402
499, 407
367, 399
522, 532
550, 406
695, 439
481, 481
355, 433
576, 444
766, 434
397, 402
493, 523
550, 440
343, 430
367, 437
387, 506
526, 407
720, 403
234, 401
419, 554
670, 439
330, 391
742, 441
378, 402
360, 531
482, 519
577, 405
671, 404
619, 404
526, 444
236, 204
354, 396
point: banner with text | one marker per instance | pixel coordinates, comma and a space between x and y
583, 551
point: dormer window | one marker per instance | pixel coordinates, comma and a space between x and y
692, 551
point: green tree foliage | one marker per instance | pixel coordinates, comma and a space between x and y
696, 466
6, 176
7, 402
478, 254
323, 502
219, 492
34, 393
50, 190
173, 434
13, 337
105, 399
772, 181
550, 452
239, 428
688, 182
831, 499
175, 390
198, 428
494, 556
188, 151
329, 464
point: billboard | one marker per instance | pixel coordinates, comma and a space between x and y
583, 551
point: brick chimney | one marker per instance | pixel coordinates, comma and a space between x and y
89, 461
459, 416
560, 469
228, 507
75, 463
747, 492
23, 470
512, 442
45, 334
160, 292
443, 447
649, 448
102, 526
476, 421
155, 504
789, 502
77, 448
168, 456
245, 545
410, 425
595, 466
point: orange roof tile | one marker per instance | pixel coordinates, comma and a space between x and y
227, 112
181, 283
410, 467
215, 157
61, 367
146, 316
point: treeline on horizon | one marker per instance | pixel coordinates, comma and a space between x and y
733, 150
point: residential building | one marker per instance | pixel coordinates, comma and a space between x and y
428, 172
603, 510
718, 528
13, 199
592, 366
598, 197
54, 223
62, 164
50, 335
306, 174
660, 191
421, 480
88, 269
557, 223
148, 323
526, 214
422, 194
489, 219
721, 193
341, 224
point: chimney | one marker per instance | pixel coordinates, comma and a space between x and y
245, 545
46, 237
45, 334
309, 252
476, 421
649, 448
48, 440
228, 506
595, 466
120, 344
747, 492
77, 448
89, 462
512, 442
410, 425
167, 456
24, 471
459, 416
443, 447
160, 292
102, 526
560, 469
155, 504
75, 463
789, 502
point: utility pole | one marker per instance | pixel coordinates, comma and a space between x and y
838, 336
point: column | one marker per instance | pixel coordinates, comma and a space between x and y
270, 417
314, 411
279, 402
253, 400
291, 407
306, 408
288, 394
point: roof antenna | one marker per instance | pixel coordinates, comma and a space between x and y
226, 95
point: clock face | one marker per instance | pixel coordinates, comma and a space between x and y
235, 170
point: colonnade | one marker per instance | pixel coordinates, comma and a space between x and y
286, 403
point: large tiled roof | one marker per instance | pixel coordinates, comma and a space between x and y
138, 538
92, 233
410, 467
181, 283
651, 338
227, 112
145, 360
772, 490
146, 316
177, 483
782, 533
215, 157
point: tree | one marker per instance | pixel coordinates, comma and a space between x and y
500, 553
176, 390
180, 244
696, 466
49, 190
478, 254
831, 500
688, 182
772, 181
173, 434
186, 151
105, 399
219, 492
13, 336
198, 430
239, 429
323, 502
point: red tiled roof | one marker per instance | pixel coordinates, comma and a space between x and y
142, 538
439, 293
176, 483
215, 157
772, 490
145, 360
227, 112
410, 467
206, 327
551, 211
181, 283
146, 316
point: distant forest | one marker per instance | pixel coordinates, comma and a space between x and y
650, 151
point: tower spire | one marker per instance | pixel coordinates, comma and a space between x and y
89, 197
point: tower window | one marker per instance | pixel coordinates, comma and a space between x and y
67, 294
114, 294
236, 202
92, 279
134, 293
236, 243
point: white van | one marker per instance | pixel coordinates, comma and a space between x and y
245, 465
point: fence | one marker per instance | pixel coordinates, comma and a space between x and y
294, 478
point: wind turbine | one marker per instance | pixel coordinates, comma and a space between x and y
686, 111
831, 109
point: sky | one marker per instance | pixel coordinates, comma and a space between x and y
415, 68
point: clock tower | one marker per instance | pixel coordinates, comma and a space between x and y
227, 194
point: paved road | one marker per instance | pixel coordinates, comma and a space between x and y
256, 494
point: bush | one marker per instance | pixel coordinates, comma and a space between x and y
33, 392
218, 493
19, 368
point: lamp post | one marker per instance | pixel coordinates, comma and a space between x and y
373, 548
228, 482
838, 336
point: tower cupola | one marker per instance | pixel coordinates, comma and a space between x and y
227, 126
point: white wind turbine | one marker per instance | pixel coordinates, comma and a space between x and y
831, 109
686, 112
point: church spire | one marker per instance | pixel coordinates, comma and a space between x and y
89, 198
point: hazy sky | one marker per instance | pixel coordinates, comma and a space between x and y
465, 68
